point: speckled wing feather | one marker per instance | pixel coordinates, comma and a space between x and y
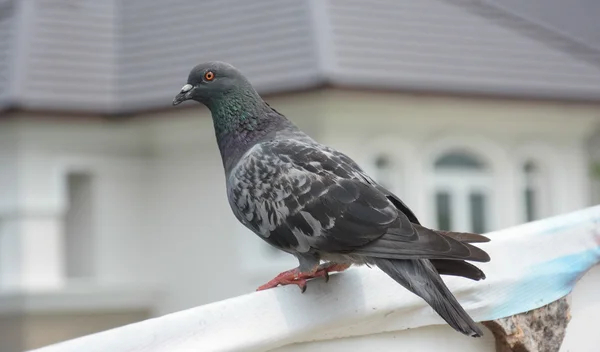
301, 196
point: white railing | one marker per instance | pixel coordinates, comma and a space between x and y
532, 265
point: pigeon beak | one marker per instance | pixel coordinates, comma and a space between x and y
184, 95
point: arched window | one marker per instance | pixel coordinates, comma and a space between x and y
462, 184
458, 161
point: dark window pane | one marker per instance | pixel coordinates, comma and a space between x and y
442, 203
384, 171
530, 202
530, 168
459, 160
478, 205
382, 162
531, 174
79, 226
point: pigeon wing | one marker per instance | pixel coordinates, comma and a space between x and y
303, 196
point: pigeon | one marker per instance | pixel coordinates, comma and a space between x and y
316, 203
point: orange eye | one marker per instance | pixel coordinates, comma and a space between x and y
209, 76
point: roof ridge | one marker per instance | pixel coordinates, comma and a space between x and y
532, 29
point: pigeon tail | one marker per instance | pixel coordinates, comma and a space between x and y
421, 278
460, 267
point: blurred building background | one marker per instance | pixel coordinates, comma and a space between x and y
479, 114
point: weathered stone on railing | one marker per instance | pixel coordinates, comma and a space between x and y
539, 330
532, 266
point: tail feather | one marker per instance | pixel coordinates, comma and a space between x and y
424, 244
421, 278
458, 268
464, 237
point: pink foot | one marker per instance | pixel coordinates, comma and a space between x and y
295, 277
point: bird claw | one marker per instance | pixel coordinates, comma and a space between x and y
302, 285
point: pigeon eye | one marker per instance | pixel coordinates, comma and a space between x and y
209, 76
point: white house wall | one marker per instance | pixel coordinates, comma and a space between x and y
8, 189
114, 155
502, 132
160, 207
223, 259
8, 166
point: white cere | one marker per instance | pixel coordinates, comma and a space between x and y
186, 88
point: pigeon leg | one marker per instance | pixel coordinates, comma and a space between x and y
296, 277
330, 267
292, 277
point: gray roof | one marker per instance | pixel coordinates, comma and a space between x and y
577, 19
115, 56
7, 20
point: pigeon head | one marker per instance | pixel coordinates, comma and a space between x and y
240, 116
213, 84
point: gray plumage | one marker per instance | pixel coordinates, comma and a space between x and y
317, 204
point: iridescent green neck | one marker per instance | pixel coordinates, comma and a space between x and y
241, 120
238, 112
